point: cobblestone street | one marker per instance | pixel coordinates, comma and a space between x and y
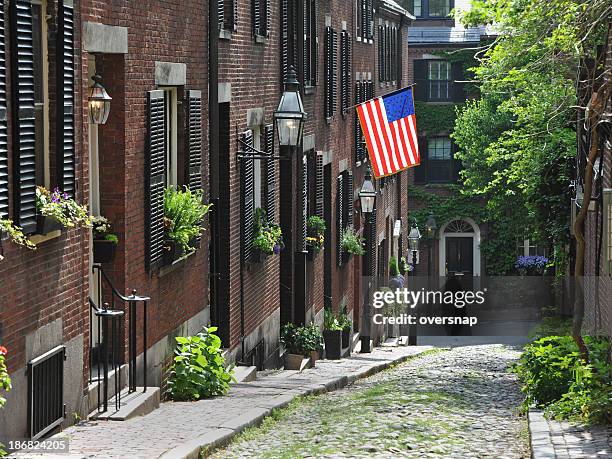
452, 403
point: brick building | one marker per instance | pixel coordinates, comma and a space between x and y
193, 94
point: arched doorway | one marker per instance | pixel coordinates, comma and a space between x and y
459, 249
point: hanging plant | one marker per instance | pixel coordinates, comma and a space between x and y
268, 237
316, 232
351, 242
15, 234
184, 211
61, 208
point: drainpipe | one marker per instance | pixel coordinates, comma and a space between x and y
213, 139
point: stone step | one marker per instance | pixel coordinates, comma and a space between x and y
133, 404
245, 374
391, 342
92, 388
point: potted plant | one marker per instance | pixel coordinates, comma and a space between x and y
267, 237
104, 242
351, 242
332, 334
57, 209
15, 234
532, 265
315, 239
312, 342
346, 324
184, 211
292, 341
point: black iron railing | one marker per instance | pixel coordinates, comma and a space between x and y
110, 322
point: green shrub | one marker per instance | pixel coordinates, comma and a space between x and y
351, 242
198, 370
556, 378
344, 321
184, 211
301, 340
393, 267
330, 321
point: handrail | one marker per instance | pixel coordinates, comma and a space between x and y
132, 297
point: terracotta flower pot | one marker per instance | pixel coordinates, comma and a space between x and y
293, 361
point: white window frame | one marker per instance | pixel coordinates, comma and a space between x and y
44, 41
170, 114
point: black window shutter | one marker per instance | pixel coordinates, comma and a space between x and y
370, 18
334, 71
221, 13
314, 59
345, 70
304, 202
458, 93
268, 7
234, 14
319, 185
339, 219
66, 170
457, 165
270, 197
348, 206
420, 78
155, 179
4, 175
381, 54
24, 130
247, 198
194, 139
358, 100
329, 78
256, 13
420, 171
363, 21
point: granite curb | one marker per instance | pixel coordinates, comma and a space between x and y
216, 438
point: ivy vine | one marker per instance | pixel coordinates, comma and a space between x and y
435, 118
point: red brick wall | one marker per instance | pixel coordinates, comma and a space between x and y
168, 31
39, 287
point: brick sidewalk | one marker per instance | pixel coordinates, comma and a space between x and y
180, 429
561, 440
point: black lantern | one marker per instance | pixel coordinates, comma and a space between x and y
414, 237
367, 194
290, 114
99, 102
431, 226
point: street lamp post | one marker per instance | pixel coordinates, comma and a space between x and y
413, 244
367, 198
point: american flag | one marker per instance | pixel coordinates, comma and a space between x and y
389, 127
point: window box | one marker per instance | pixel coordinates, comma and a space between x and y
258, 256
46, 225
172, 252
104, 251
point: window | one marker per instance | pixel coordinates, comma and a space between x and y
439, 80
365, 20
228, 14
439, 8
530, 247
262, 17
331, 71
388, 53
41, 92
415, 7
440, 160
172, 157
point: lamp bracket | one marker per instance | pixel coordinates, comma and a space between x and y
247, 152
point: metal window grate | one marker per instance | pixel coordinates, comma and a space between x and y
46, 392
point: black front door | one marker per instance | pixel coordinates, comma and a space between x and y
460, 259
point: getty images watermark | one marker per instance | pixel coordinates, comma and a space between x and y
453, 303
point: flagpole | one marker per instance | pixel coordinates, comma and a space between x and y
383, 95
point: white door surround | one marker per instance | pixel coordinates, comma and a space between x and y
475, 235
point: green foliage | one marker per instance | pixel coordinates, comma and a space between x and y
301, 340
15, 234
267, 235
198, 370
184, 211
316, 227
59, 206
330, 321
351, 242
101, 228
5, 385
344, 320
393, 267
518, 142
556, 378
435, 118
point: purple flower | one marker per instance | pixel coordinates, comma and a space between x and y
65, 195
531, 262
277, 249
55, 198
